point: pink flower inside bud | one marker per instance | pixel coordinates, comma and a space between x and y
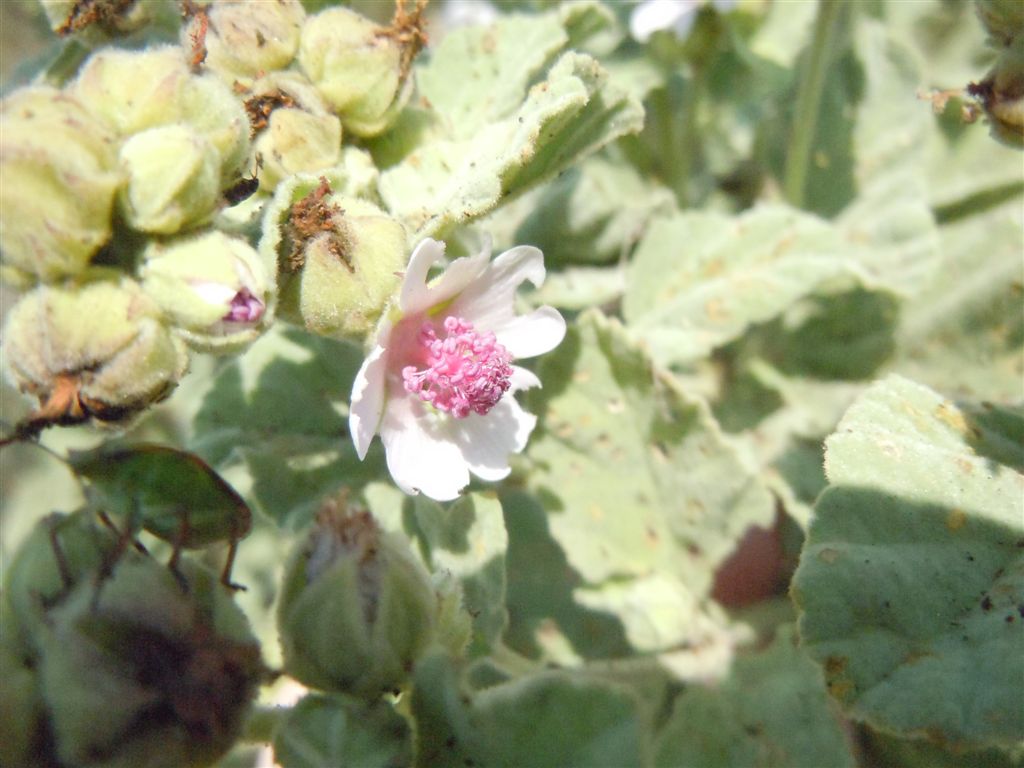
465, 372
245, 308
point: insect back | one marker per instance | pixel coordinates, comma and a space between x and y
173, 495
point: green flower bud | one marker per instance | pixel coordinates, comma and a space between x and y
98, 20
23, 730
358, 67
1002, 19
245, 39
1002, 95
133, 90
356, 608
214, 288
61, 551
142, 673
296, 131
210, 108
59, 170
173, 179
341, 258
97, 349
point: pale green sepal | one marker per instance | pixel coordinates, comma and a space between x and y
912, 576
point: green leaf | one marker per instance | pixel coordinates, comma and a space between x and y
772, 710
452, 181
340, 732
647, 537
277, 418
172, 494
548, 719
466, 539
964, 334
911, 581
699, 280
593, 213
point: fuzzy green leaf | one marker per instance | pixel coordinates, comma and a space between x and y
699, 280
550, 719
451, 181
912, 578
772, 710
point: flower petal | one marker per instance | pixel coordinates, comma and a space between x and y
490, 301
534, 334
486, 442
654, 15
522, 378
421, 454
418, 296
367, 403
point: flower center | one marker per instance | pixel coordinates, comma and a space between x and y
244, 308
465, 371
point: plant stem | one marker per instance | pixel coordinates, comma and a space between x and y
808, 100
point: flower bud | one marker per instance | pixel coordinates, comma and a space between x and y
173, 179
1002, 19
133, 90
214, 289
356, 606
59, 170
98, 20
245, 39
358, 68
296, 131
212, 110
341, 258
23, 742
144, 673
94, 349
59, 552
1002, 95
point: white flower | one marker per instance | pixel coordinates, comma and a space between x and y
650, 16
438, 385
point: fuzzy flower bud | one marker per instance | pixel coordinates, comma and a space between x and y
1002, 19
145, 673
98, 20
210, 108
95, 349
60, 176
356, 609
133, 90
61, 551
341, 258
244, 39
296, 132
358, 68
213, 288
1002, 95
173, 179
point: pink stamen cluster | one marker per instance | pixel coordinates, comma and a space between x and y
465, 371
244, 308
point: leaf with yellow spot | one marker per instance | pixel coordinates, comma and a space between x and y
911, 582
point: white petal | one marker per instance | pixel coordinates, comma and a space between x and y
522, 378
534, 334
217, 294
367, 403
487, 441
417, 296
654, 15
489, 302
414, 286
421, 454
